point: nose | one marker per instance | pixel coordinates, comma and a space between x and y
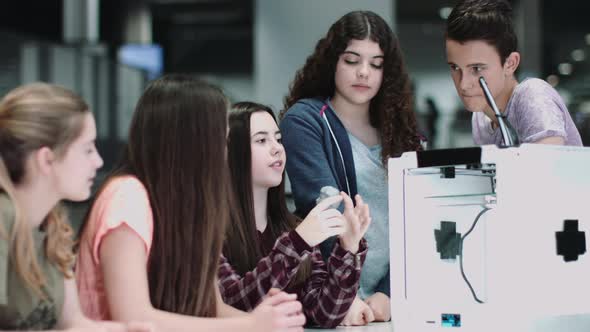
277, 148
363, 70
467, 82
98, 162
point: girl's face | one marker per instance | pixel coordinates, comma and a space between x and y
359, 72
268, 154
75, 172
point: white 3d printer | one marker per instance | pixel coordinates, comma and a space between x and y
490, 239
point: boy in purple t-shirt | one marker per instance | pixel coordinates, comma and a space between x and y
480, 41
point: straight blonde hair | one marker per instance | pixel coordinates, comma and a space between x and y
31, 117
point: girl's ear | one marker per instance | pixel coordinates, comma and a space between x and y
44, 159
511, 63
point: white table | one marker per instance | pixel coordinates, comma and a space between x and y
373, 327
571, 324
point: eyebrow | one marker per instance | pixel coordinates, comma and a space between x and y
264, 132
357, 54
477, 64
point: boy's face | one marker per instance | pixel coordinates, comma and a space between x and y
469, 61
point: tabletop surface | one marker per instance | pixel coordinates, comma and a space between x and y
373, 327
574, 323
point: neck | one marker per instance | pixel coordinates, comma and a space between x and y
260, 197
351, 115
35, 202
501, 101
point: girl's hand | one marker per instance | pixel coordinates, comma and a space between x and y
357, 219
358, 314
279, 311
380, 304
322, 222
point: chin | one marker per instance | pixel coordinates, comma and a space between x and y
361, 100
357, 98
81, 196
273, 183
473, 108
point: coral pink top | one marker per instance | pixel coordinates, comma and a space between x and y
124, 201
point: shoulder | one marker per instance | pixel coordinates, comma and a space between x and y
535, 96
123, 199
123, 187
305, 114
306, 108
127, 183
534, 89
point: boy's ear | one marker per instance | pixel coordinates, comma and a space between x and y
511, 63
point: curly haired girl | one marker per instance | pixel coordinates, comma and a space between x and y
349, 109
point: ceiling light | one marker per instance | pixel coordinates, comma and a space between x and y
578, 55
565, 68
584, 107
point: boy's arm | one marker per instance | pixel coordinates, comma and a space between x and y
553, 140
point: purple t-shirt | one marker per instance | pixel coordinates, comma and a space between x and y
536, 111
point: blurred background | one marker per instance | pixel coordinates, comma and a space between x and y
107, 50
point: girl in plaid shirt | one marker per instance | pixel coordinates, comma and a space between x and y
268, 247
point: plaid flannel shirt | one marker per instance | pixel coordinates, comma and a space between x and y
326, 295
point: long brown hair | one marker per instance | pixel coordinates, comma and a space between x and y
390, 110
31, 117
176, 148
241, 247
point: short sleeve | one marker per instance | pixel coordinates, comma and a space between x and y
6, 223
3, 270
540, 113
124, 201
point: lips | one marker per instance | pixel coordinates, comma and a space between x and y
278, 163
470, 96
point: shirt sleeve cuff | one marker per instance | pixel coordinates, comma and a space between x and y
349, 258
299, 244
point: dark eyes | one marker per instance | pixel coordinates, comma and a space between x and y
264, 140
474, 69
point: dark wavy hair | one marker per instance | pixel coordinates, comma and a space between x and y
176, 149
488, 20
241, 246
391, 109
